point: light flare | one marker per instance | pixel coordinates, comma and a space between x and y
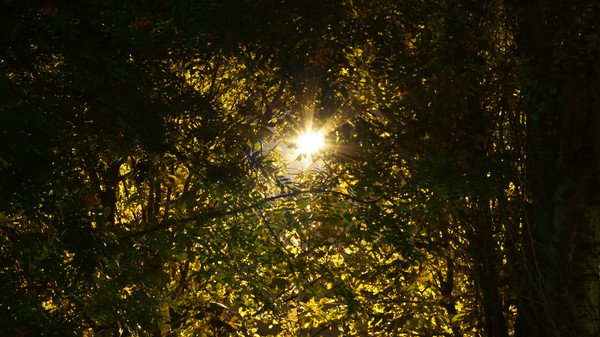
310, 142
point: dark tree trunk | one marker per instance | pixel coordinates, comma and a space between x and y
108, 196
560, 289
484, 249
483, 244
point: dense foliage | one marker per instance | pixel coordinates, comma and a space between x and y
150, 186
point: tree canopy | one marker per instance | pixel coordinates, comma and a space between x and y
151, 182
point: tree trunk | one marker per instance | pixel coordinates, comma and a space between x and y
108, 195
483, 245
560, 289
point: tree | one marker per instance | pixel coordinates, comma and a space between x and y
560, 76
142, 192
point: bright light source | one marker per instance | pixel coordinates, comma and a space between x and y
310, 142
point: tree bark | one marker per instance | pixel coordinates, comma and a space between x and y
560, 288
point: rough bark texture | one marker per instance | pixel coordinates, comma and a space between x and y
560, 293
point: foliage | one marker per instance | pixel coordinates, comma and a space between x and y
147, 188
